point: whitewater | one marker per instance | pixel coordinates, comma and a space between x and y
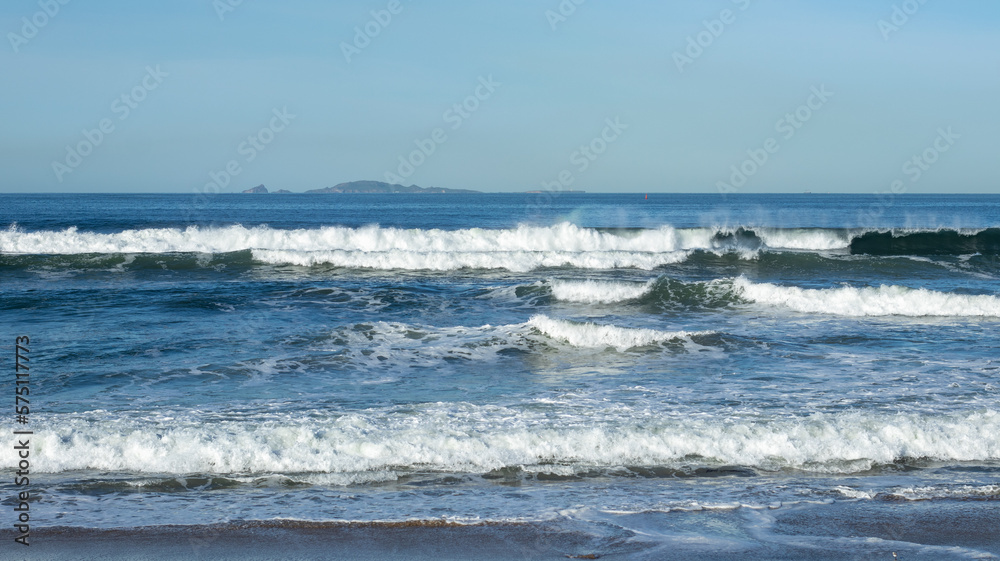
680, 369
468, 439
472, 247
851, 301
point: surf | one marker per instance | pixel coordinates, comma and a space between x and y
463, 437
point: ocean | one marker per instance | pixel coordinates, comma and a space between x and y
540, 375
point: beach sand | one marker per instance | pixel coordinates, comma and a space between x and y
859, 530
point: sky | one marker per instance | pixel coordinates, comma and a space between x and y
751, 96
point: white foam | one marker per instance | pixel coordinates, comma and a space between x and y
947, 492
884, 300
851, 493
563, 237
598, 292
406, 344
371, 344
517, 261
590, 335
926, 493
462, 437
522, 248
810, 239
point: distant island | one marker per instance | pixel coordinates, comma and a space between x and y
352, 187
381, 187
261, 190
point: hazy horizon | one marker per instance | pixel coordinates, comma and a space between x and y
730, 96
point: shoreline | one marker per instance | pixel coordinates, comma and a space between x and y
852, 530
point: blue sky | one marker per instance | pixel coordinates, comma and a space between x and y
198, 85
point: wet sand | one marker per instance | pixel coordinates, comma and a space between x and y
863, 530
305, 541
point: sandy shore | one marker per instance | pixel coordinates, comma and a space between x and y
862, 530
305, 541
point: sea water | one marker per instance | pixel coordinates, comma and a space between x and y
730, 374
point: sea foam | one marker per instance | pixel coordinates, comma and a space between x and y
521, 248
517, 261
461, 437
378, 341
599, 292
590, 335
562, 237
885, 300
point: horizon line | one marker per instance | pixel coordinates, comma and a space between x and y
532, 192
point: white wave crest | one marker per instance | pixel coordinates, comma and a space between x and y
590, 335
563, 237
598, 292
520, 249
517, 261
807, 239
405, 344
884, 300
469, 438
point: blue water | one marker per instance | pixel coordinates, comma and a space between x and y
591, 361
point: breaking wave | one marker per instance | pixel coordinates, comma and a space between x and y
599, 292
520, 249
590, 335
517, 261
885, 300
463, 437
404, 343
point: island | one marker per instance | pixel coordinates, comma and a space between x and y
381, 187
260, 189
